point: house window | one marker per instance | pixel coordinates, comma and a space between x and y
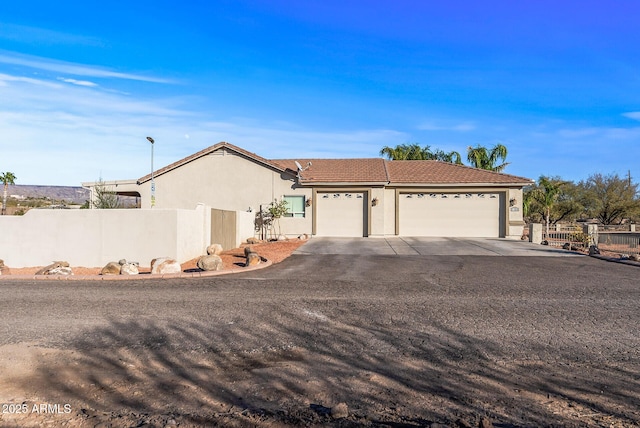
295, 206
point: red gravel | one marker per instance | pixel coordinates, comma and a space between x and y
276, 251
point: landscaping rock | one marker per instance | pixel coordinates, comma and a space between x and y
56, 268
214, 249
165, 265
339, 411
253, 241
634, 257
253, 259
129, 268
593, 250
485, 423
3, 269
111, 268
211, 262
248, 250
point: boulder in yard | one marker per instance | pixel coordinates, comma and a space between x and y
111, 268
56, 268
165, 265
253, 240
3, 269
210, 262
214, 249
253, 259
339, 411
129, 268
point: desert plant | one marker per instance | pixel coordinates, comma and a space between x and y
276, 211
6, 178
105, 198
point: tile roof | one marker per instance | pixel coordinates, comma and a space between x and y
437, 172
364, 170
370, 170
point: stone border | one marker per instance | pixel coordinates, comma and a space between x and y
204, 274
614, 260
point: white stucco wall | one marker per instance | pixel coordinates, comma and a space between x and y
227, 181
92, 238
378, 216
389, 207
515, 226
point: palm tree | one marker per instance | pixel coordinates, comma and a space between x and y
483, 158
415, 152
547, 194
7, 178
402, 152
451, 157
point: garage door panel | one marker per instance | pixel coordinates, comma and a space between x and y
340, 214
454, 214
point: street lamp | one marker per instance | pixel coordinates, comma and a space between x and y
153, 183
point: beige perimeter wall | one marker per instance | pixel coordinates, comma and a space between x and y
92, 238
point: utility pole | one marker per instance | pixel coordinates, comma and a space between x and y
153, 183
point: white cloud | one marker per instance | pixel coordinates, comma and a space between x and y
67, 134
71, 68
578, 132
43, 36
78, 82
8, 78
456, 127
633, 115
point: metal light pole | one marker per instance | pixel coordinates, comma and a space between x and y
153, 183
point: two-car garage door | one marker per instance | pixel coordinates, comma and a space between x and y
450, 214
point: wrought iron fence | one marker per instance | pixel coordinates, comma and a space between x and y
621, 240
570, 237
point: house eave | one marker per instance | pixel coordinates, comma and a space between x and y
343, 183
473, 184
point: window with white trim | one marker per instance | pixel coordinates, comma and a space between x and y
295, 206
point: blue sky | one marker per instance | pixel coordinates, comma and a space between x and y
82, 83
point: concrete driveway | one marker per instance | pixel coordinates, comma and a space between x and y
427, 246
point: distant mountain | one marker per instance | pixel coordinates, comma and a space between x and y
69, 194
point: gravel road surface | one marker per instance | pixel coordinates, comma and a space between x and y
408, 340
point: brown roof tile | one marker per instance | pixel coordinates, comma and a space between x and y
369, 170
436, 172
364, 170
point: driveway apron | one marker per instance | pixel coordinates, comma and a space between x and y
430, 246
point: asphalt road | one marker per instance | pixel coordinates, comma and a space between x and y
462, 332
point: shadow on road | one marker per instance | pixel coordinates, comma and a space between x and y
294, 366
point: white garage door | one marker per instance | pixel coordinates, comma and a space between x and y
450, 214
340, 214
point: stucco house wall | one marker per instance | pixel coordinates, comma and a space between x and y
227, 177
228, 181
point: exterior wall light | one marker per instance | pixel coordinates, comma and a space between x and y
374, 202
308, 202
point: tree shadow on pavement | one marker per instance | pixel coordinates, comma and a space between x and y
294, 366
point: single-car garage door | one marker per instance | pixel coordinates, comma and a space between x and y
451, 214
340, 214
